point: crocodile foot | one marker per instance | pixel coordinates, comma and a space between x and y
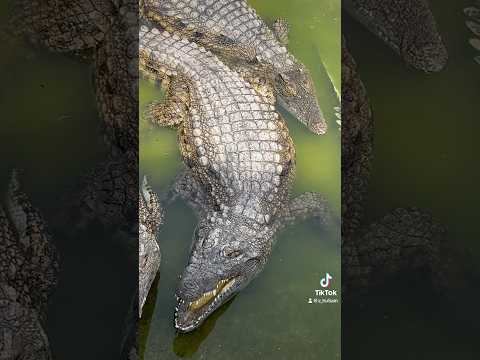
280, 30
302, 207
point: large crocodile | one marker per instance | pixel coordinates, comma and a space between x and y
233, 30
407, 26
28, 275
406, 240
240, 161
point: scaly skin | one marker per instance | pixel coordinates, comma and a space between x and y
28, 275
403, 241
233, 30
240, 161
150, 216
40, 262
473, 24
407, 26
62, 25
357, 144
112, 189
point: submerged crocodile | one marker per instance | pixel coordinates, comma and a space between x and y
473, 24
407, 26
233, 30
406, 240
240, 164
28, 275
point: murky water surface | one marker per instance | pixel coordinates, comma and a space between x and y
426, 155
50, 129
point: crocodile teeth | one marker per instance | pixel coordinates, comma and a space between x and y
210, 295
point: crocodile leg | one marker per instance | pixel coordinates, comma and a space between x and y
187, 187
280, 30
304, 206
172, 110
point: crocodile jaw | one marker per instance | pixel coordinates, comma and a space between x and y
190, 315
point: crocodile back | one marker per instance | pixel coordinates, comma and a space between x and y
233, 21
235, 141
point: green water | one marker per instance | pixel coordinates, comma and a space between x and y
426, 155
271, 318
50, 129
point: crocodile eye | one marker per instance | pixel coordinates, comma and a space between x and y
291, 89
232, 253
207, 242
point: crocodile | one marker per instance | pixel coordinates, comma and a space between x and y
473, 24
150, 215
405, 240
150, 219
234, 31
104, 33
239, 161
408, 27
28, 275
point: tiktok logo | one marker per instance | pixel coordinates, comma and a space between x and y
325, 282
324, 295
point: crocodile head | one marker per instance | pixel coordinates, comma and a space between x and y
298, 96
408, 27
424, 50
225, 257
